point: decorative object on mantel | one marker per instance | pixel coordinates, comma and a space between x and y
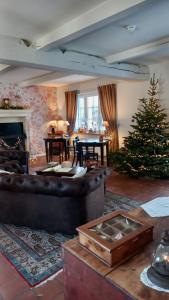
115, 237
6, 105
158, 273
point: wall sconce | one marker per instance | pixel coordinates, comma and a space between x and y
158, 273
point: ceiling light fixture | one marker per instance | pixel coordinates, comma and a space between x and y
130, 28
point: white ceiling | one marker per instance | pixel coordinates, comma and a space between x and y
81, 39
67, 80
20, 74
31, 19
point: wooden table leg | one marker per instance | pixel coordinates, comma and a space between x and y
65, 149
46, 150
102, 154
107, 153
50, 151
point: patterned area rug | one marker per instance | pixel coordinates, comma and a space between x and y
36, 254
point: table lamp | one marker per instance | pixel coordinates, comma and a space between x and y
106, 125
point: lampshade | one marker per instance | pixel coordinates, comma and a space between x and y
67, 123
59, 118
105, 123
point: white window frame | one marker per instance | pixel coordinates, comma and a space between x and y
85, 95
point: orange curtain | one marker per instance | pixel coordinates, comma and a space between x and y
71, 109
107, 95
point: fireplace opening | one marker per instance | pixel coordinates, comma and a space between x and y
13, 134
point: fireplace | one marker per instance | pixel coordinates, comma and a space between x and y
13, 134
14, 124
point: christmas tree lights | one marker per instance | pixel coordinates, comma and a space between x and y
146, 148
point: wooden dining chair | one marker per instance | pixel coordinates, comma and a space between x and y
83, 153
77, 154
91, 154
56, 148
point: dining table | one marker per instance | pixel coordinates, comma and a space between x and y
49, 146
96, 143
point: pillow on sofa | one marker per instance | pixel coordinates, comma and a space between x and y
81, 173
5, 172
3, 159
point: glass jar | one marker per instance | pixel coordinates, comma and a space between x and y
159, 271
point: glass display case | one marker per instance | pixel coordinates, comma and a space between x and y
115, 237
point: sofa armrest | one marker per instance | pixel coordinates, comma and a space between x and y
21, 156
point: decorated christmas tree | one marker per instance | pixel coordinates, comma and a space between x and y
146, 149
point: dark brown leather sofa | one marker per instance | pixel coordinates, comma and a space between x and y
51, 203
14, 161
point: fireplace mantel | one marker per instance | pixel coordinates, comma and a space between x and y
17, 115
7, 113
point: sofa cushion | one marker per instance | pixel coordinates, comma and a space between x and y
5, 172
81, 173
12, 166
15, 155
3, 159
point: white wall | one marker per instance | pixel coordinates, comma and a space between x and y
161, 71
61, 101
128, 95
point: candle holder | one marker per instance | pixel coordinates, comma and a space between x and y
158, 273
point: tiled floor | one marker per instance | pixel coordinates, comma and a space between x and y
13, 286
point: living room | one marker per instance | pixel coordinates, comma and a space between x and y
47, 49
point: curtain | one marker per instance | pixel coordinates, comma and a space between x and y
71, 109
107, 95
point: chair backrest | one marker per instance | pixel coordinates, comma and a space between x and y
57, 148
75, 143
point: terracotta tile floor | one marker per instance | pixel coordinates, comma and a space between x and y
12, 285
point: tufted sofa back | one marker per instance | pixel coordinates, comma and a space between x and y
50, 185
51, 203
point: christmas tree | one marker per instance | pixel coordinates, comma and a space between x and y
146, 149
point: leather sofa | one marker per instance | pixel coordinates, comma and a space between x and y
51, 203
14, 161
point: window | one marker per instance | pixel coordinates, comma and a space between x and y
89, 118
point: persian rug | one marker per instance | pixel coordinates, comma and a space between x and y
36, 254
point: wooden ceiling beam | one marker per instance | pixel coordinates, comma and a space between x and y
14, 52
139, 51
